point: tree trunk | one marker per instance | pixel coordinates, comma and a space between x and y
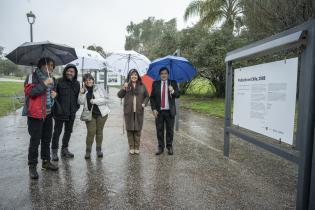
219, 88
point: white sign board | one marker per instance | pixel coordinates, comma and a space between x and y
265, 98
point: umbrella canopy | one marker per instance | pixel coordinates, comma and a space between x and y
29, 53
122, 61
88, 59
147, 81
180, 68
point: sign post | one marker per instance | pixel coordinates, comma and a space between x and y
303, 37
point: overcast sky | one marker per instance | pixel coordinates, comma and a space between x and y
82, 22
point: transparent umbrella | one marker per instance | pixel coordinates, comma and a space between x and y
122, 61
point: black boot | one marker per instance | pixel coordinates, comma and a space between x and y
170, 151
87, 154
65, 153
47, 165
99, 152
33, 172
159, 152
54, 155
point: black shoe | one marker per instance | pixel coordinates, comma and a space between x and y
54, 155
87, 154
65, 153
33, 172
159, 152
170, 151
47, 165
99, 153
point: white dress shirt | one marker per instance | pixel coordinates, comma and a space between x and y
167, 105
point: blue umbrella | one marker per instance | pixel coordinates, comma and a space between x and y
181, 70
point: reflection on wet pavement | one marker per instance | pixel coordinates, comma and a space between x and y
196, 177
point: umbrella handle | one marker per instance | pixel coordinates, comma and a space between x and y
48, 72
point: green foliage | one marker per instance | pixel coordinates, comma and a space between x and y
241, 22
213, 12
8, 68
151, 37
98, 49
264, 18
206, 50
1, 50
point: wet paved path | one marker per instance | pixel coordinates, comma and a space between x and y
196, 177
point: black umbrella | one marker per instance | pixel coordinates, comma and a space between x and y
29, 53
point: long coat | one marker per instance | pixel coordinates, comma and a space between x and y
134, 121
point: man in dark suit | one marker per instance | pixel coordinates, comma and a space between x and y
162, 101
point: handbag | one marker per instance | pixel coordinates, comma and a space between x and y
86, 114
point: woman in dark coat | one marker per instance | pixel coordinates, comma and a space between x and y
135, 97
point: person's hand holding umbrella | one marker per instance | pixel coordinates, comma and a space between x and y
126, 85
53, 94
171, 89
48, 81
155, 113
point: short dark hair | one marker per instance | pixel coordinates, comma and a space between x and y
45, 60
88, 76
164, 68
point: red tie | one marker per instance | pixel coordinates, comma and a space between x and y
163, 95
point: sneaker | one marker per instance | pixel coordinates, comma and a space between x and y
132, 151
137, 151
47, 165
33, 172
54, 155
66, 153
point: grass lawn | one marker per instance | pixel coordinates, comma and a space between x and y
6, 90
211, 106
14, 77
10, 88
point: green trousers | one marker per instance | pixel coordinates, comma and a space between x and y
134, 139
95, 129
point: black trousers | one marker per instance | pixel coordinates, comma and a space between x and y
163, 120
40, 131
67, 133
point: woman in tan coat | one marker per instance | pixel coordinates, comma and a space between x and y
135, 97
